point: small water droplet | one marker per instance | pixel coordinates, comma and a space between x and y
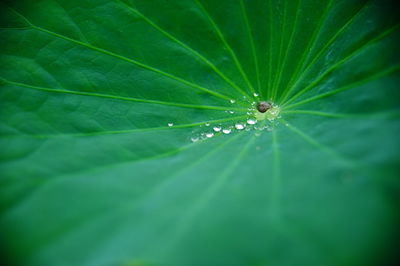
259, 127
239, 126
231, 112
207, 124
217, 129
170, 124
255, 94
257, 134
209, 135
251, 121
232, 101
227, 131
195, 139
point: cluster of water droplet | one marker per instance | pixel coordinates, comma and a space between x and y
208, 131
255, 120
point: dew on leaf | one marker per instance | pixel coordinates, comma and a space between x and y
239, 126
209, 135
263, 106
251, 121
217, 129
227, 131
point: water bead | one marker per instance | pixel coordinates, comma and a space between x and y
227, 131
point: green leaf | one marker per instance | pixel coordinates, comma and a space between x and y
102, 103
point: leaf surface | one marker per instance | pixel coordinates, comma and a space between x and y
102, 103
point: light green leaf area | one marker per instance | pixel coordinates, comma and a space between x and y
92, 174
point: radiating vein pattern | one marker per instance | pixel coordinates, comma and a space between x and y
130, 134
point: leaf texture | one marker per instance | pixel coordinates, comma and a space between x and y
101, 101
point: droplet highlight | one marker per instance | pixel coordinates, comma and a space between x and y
227, 131
209, 135
239, 126
217, 129
251, 121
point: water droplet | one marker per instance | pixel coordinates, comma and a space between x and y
227, 131
209, 135
239, 126
263, 106
232, 101
257, 134
170, 124
195, 139
255, 94
207, 124
251, 121
259, 127
231, 112
217, 129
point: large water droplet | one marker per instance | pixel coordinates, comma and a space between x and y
217, 129
251, 121
227, 131
239, 126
